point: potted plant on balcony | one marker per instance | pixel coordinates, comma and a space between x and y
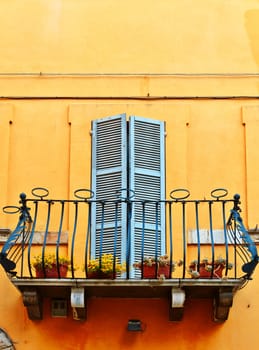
47, 266
106, 267
208, 268
157, 267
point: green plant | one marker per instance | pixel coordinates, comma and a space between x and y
106, 264
161, 261
49, 261
209, 266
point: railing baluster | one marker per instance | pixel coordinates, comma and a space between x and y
101, 233
128, 251
34, 221
225, 235
49, 203
115, 239
211, 237
156, 235
184, 236
198, 232
85, 195
171, 254
59, 234
142, 237
88, 238
73, 238
236, 252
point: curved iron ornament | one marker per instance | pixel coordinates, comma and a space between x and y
5, 341
219, 193
40, 192
84, 193
22, 228
179, 194
249, 266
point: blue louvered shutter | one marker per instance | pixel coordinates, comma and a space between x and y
109, 174
147, 180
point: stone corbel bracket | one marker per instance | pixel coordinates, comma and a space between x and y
32, 301
222, 304
177, 304
78, 303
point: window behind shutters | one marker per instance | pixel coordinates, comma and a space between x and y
132, 159
109, 174
146, 162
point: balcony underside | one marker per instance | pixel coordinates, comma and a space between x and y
174, 290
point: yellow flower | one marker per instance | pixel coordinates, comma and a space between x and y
107, 263
48, 260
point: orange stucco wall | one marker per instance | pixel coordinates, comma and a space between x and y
106, 325
48, 143
129, 36
65, 63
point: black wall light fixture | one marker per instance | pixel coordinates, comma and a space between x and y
134, 326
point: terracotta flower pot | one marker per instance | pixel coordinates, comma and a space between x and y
101, 275
150, 271
52, 272
204, 273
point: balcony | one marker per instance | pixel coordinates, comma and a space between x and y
196, 234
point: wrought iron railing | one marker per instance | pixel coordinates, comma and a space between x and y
196, 233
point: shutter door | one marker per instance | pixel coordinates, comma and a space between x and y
109, 174
147, 180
